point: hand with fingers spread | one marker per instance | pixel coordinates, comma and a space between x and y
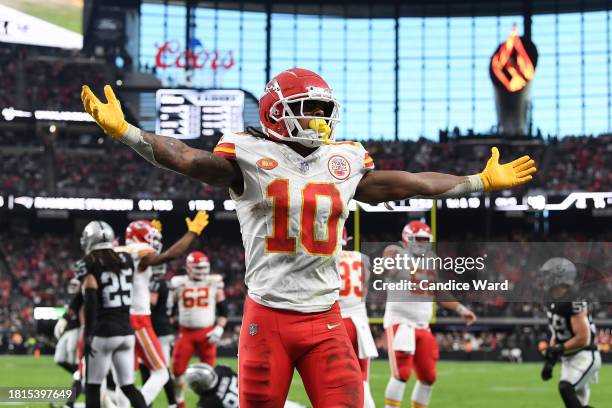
199, 222
108, 116
498, 176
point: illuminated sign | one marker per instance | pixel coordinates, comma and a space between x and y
513, 64
533, 202
9, 114
190, 114
196, 56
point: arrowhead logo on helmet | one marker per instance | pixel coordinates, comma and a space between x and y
292, 95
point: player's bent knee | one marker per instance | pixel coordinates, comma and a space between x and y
162, 373
565, 387
403, 374
428, 379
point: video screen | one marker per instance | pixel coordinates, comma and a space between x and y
50, 23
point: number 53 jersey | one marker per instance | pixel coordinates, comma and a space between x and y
291, 213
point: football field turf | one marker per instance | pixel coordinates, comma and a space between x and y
460, 384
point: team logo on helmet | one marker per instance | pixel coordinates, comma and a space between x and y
339, 167
266, 163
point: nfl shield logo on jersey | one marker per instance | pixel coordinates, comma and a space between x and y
252, 329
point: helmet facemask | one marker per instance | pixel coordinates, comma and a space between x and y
293, 108
201, 378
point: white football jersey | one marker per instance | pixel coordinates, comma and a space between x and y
197, 300
418, 307
141, 297
354, 270
291, 215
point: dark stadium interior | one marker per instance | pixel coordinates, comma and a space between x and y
446, 125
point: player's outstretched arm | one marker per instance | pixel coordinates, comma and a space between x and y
161, 151
381, 186
460, 309
194, 229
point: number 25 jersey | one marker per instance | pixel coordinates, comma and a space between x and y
291, 213
114, 293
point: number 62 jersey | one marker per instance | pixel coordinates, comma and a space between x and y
291, 215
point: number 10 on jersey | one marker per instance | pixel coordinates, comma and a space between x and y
280, 240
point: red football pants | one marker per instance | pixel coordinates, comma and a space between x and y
189, 341
423, 361
147, 347
274, 341
364, 363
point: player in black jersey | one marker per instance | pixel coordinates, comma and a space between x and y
106, 278
66, 330
217, 387
572, 334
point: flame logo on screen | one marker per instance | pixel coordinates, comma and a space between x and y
512, 65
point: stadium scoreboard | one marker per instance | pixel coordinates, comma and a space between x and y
190, 113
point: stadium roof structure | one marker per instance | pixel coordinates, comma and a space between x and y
403, 8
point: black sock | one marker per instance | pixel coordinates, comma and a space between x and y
77, 388
67, 366
92, 395
110, 382
135, 396
568, 394
169, 388
145, 373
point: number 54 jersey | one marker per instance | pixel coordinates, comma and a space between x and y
291, 213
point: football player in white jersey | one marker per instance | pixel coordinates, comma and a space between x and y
410, 342
141, 237
202, 317
292, 184
354, 268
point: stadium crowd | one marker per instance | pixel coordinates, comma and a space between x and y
108, 170
34, 270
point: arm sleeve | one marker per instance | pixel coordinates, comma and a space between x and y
76, 302
364, 157
221, 309
91, 305
226, 147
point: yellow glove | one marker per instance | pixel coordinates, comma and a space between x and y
321, 127
199, 222
157, 225
108, 116
497, 176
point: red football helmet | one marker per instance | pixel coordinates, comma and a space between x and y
416, 231
283, 103
197, 265
142, 231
